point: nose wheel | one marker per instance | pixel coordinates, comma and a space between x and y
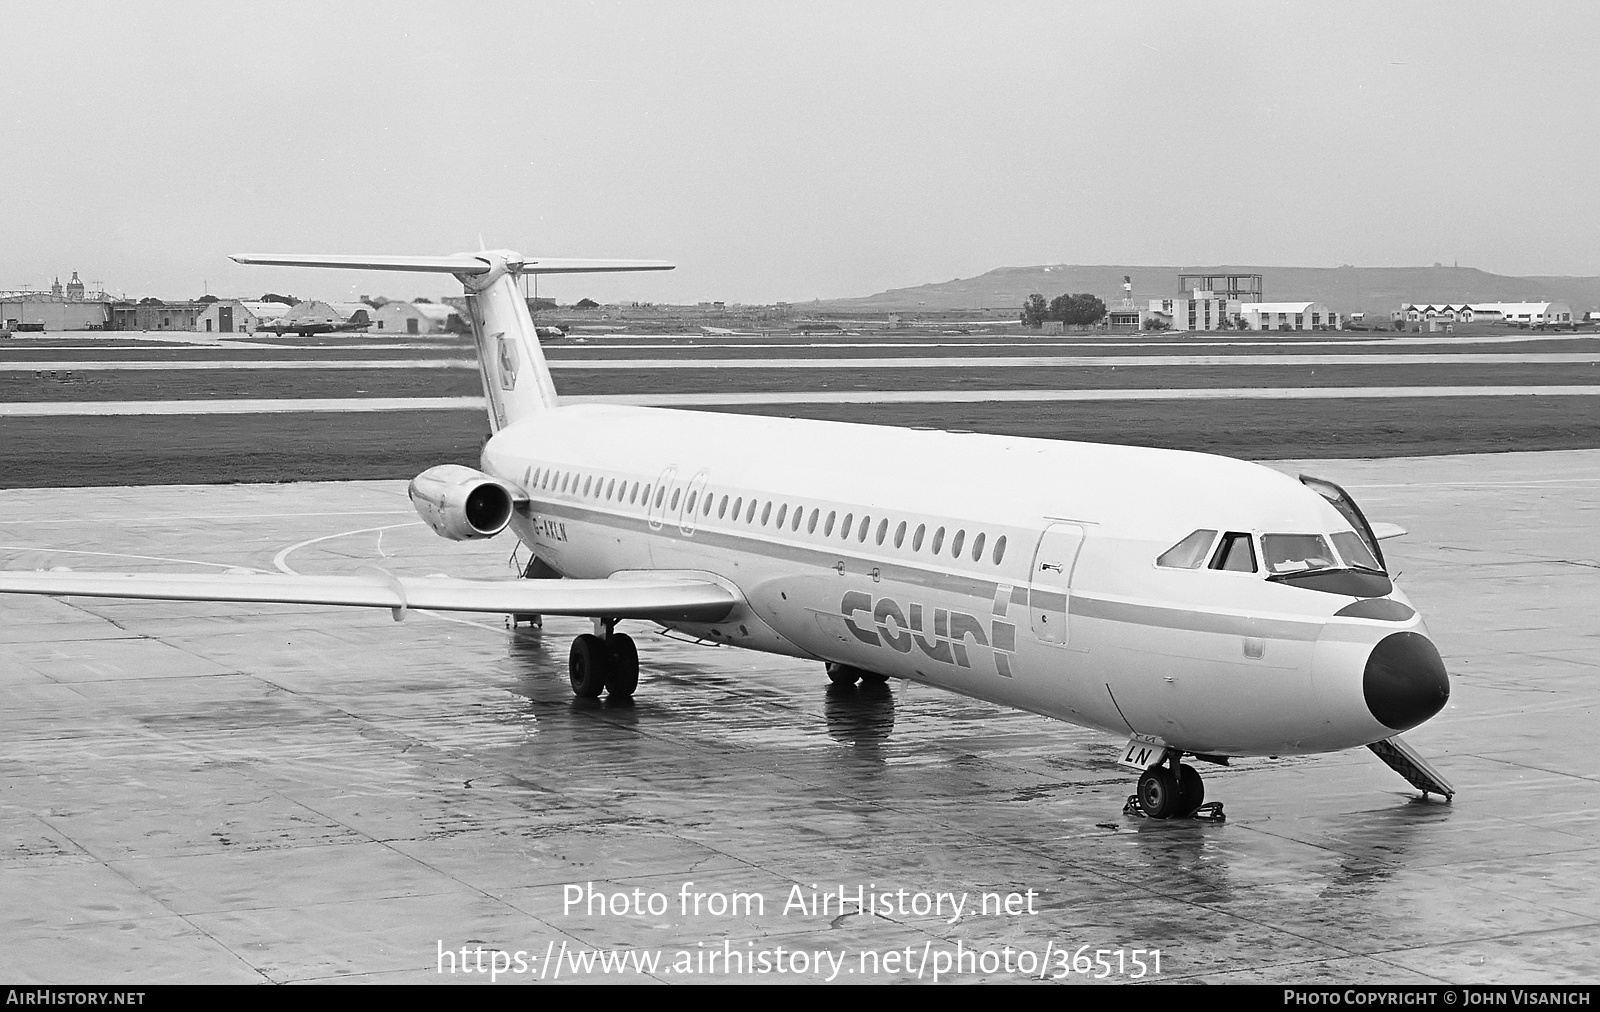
1172, 790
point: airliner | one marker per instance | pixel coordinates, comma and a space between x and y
1190, 604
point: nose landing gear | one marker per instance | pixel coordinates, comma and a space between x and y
1172, 789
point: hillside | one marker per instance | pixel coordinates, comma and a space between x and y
1375, 290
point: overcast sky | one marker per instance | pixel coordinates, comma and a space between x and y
790, 151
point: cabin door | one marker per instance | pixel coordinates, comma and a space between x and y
1051, 586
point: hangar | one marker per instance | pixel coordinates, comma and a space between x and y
328, 315
235, 316
39, 311
1288, 316
154, 314
412, 318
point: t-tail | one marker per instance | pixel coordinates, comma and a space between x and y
516, 378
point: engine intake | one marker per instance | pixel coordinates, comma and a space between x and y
463, 504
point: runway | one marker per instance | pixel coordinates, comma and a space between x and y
210, 793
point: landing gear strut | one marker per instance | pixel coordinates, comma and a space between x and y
604, 661
1172, 789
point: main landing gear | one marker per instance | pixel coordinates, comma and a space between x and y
1171, 789
604, 661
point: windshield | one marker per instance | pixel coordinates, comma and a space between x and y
1296, 553
1355, 552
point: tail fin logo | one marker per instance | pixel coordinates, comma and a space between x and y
508, 363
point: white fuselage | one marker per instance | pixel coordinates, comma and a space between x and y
1020, 571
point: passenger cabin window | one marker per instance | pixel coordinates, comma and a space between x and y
1236, 554
956, 543
916, 539
900, 534
1190, 553
811, 525
977, 547
938, 541
999, 549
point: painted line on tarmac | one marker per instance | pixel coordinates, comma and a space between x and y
1154, 394
228, 406
147, 365
1083, 361
49, 409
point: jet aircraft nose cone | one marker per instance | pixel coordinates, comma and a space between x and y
1405, 681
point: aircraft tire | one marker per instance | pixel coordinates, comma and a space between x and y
843, 674
1191, 790
873, 678
1158, 793
623, 677
587, 665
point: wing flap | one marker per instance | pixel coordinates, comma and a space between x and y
664, 599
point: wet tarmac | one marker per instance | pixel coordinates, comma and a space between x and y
220, 794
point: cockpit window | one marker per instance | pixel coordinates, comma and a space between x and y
1355, 552
1190, 553
1236, 554
1296, 553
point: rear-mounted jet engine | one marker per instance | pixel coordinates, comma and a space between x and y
463, 504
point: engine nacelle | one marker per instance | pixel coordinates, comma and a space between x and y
463, 504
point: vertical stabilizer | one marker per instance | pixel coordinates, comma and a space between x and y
516, 378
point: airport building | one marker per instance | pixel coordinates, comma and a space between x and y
64, 307
1522, 314
412, 318
234, 316
153, 314
1288, 316
1197, 309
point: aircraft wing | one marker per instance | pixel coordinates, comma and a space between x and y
658, 597
1384, 532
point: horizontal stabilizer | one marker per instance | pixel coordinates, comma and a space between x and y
663, 599
552, 265
1384, 532
455, 263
